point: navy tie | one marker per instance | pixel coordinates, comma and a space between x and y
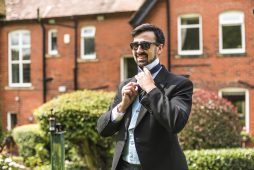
141, 92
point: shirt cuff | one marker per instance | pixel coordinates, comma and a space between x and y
116, 116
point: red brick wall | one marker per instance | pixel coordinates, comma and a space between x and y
214, 71
211, 71
112, 42
29, 98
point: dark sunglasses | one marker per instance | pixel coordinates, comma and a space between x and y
145, 45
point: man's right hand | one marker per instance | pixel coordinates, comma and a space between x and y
129, 93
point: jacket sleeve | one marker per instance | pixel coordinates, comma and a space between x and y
105, 126
171, 107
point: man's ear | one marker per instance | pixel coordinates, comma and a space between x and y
159, 49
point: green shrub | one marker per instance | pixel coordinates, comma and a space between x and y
223, 159
213, 123
32, 144
78, 112
7, 162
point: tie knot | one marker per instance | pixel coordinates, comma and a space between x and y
153, 70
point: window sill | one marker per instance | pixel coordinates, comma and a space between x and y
80, 60
18, 88
178, 56
53, 55
232, 55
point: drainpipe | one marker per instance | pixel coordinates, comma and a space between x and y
75, 69
44, 83
168, 33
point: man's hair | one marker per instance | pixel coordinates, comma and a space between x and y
149, 27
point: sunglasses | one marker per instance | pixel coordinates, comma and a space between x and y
145, 45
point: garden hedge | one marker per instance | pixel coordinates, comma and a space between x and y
33, 144
213, 123
220, 159
78, 113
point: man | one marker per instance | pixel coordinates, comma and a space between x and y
147, 122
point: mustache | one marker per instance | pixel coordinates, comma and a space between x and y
142, 53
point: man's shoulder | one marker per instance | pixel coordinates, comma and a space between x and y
173, 76
170, 79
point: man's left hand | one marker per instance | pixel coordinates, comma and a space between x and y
145, 80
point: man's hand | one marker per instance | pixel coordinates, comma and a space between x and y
145, 80
129, 93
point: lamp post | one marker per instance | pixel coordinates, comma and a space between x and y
56, 143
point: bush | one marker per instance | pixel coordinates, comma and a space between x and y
78, 112
213, 123
223, 159
32, 144
7, 162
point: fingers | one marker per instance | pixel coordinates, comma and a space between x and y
146, 71
130, 89
144, 79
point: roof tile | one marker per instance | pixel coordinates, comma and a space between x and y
27, 9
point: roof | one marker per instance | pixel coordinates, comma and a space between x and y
27, 9
143, 11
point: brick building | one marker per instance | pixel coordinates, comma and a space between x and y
52, 47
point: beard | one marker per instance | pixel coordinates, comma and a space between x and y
142, 59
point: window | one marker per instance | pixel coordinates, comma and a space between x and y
231, 33
11, 120
190, 35
19, 59
52, 42
88, 43
128, 67
240, 99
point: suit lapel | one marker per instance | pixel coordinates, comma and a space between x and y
141, 114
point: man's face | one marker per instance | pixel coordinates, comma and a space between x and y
142, 56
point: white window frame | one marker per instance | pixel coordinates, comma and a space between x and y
9, 120
20, 61
231, 18
247, 101
123, 68
50, 50
91, 35
180, 27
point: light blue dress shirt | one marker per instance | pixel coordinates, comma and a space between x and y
130, 153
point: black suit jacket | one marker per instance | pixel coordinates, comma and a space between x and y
164, 113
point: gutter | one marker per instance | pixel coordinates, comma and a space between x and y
168, 33
44, 81
75, 69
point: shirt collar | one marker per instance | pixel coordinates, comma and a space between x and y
151, 65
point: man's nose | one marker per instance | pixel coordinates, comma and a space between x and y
139, 49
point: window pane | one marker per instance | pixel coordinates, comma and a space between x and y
26, 53
131, 67
26, 38
88, 32
190, 39
26, 73
238, 100
13, 120
14, 38
14, 54
232, 37
89, 46
53, 41
15, 73
189, 21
